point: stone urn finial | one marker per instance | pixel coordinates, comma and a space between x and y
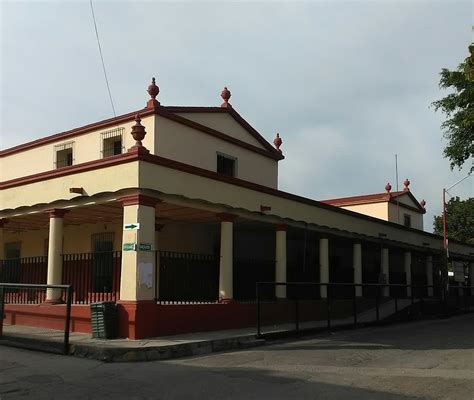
423, 203
153, 91
138, 131
225, 94
277, 142
406, 183
388, 187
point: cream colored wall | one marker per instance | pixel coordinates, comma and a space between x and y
396, 215
193, 147
108, 179
377, 210
32, 242
223, 123
86, 147
77, 238
195, 187
405, 199
188, 238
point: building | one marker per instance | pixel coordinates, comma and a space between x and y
400, 207
181, 204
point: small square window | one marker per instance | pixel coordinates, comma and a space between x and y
407, 220
112, 143
226, 165
64, 158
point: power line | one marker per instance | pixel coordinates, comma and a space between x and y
102, 59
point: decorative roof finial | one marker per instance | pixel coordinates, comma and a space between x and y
388, 187
406, 183
225, 94
138, 133
423, 203
277, 142
153, 91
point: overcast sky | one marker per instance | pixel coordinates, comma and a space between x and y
346, 84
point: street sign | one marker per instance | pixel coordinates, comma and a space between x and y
131, 227
129, 246
144, 246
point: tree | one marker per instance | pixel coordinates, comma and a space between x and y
458, 107
459, 220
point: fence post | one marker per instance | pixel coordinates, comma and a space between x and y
297, 314
257, 292
354, 303
68, 319
377, 316
328, 301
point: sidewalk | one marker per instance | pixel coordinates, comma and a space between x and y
167, 347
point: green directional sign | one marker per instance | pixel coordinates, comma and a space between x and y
131, 227
129, 246
144, 246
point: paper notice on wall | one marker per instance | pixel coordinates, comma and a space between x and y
145, 274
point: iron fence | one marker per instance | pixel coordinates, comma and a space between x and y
94, 276
42, 327
186, 277
32, 270
304, 311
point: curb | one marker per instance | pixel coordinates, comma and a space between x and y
155, 353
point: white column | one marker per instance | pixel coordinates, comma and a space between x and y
280, 260
429, 274
357, 265
407, 267
55, 251
226, 288
137, 282
385, 271
323, 266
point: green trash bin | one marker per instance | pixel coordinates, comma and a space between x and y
104, 320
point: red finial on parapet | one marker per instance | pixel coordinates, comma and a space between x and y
423, 203
406, 183
225, 94
277, 142
153, 91
388, 187
138, 133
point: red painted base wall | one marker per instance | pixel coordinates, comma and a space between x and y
48, 316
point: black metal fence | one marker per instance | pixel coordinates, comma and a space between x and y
40, 327
32, 270
277, 313
186, 277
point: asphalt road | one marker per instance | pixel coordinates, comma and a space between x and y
422, 360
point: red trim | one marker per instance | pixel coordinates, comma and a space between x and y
226, 217
140, 199
164, 112
57, 213
281, 227
376, 198
73, 169
74, 132
77, 190
269, 152
165, 162
234, 114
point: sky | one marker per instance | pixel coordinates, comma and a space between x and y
347, 84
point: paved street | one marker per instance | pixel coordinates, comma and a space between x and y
422, 360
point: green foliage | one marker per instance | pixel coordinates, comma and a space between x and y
459, 220
458, 107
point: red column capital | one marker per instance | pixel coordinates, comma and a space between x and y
57, 212
227, 217
139, 199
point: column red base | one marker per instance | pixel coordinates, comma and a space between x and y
137, 319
